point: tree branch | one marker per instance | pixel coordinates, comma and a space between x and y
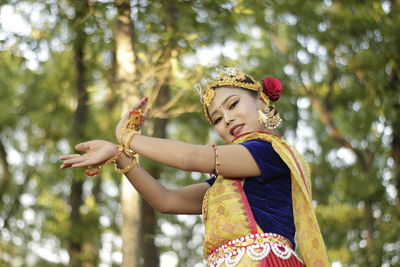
333, 131
174, 112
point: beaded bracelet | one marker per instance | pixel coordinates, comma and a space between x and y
92, 171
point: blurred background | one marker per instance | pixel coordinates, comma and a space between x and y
68, 69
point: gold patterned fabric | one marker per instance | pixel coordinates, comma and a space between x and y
227, 215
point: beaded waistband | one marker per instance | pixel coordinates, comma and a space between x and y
257, 247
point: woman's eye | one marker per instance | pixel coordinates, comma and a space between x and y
233, 104
217, 120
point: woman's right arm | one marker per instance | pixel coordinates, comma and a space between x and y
186, 200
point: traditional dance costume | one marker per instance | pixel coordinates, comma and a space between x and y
252, 221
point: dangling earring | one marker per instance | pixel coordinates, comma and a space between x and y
269, 117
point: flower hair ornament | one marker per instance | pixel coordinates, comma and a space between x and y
268, 91
269, 116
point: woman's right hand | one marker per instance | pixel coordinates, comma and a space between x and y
97, 152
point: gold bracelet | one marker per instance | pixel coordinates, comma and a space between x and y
123, 132
95, 170
216, 162
127, 168
116, 156
127, 148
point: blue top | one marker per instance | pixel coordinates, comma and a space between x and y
270, 194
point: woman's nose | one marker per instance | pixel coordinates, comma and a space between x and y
227, 117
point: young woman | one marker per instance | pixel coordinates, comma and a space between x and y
260, 195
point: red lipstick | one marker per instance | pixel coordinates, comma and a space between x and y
236, 129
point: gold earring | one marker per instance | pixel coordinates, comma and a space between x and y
269, 117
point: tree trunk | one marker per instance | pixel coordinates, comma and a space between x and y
92, 240
80, 118
394, 85
5, 168
75, 235
130, 203
150, 252
369, 221
396, 154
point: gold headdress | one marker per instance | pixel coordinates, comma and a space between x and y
229, 77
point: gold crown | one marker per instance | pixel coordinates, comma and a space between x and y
229, 77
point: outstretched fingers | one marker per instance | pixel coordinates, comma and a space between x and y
66, 158
71, 160
69, 156
81, 164
77, 162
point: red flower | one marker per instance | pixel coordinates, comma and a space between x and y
272, 88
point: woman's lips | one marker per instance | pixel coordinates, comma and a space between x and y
235, 130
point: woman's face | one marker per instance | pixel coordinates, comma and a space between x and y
233, 111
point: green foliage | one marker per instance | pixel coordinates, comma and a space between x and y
341, 56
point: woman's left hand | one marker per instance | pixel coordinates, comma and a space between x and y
98, 152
